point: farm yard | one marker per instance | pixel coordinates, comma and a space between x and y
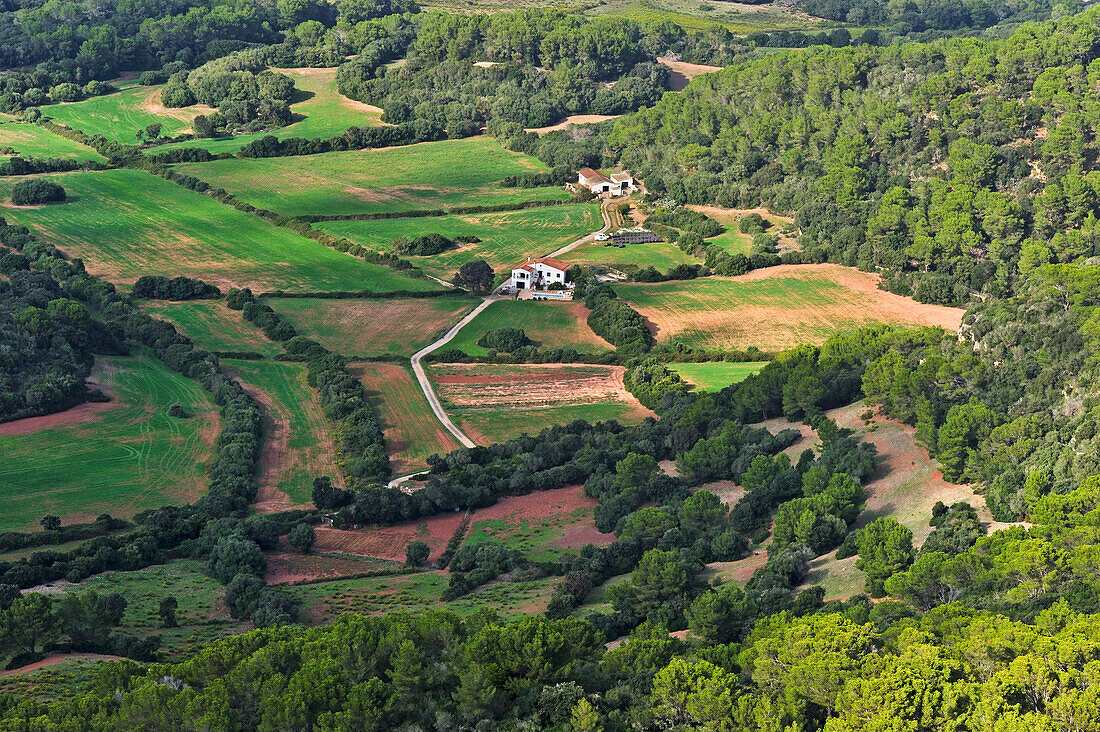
430, 175
210, 324
716, 375
412, 431
32, 141
297, 444
776, 308
125, 224
494, 403
120, 458
119, 115
374, 327
547, 325
507, 237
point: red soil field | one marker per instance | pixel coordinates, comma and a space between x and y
290, 566
389, 542
542, 507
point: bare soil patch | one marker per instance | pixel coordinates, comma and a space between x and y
532, 386
57, 658
683, 72
573, 119
81, 413
290, 566
726, 490
567, 509
389, 542
151, 103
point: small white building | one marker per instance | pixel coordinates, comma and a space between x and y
618, 184
541, 272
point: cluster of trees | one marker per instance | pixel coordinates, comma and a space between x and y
426, 244
934, 17
505, 339
36, 191
157, 287
616, 322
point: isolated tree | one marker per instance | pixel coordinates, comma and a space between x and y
302, 537
416, 553
116, 606
885, 547
475, 276
167, 612
234, 555
202, 126
50, 522
152, 131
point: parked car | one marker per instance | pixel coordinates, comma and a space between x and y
602, 237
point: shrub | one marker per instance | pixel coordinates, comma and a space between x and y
753, 223
302, 537
35, 191
504, 339
416, 553
151, 78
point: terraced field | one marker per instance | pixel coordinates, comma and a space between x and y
776, 307
547, 324
213, 326
431, 175
119, 115
507, 237
121, 458
125, 223
31, 141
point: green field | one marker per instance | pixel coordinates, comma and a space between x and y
716, 375
507, 237
213, 326
127, 457
319, 111
125, 223
661, 255
502, 426
119, 115
297, 447
426, 176
547, 324
375, 327
31, 141
695, 16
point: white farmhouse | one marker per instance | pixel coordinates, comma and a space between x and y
541, 272
617, 185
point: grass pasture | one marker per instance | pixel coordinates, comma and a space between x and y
376, 327
733, 241
494, 403
507, 237
125, 223
716, 375
32, 141
776, 308
213, 326
548, 324
119, 115
429, 175
662, 255
119, 458
297, 447
412, 431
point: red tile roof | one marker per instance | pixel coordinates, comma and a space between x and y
555, 263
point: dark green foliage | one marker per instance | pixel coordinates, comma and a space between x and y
156, 287
416, 553
422, 246
36, 191
328, 497
167, 612
504, 339
752, 223
616, 322
475, 565
302, 537
688, 220
885, 548
475, 276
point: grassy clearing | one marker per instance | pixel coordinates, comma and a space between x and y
62, 680
125, 223
429, 175
412, 431
695, 16
547, 324
119, 458
419, 592
775, 308
733, 241
717, 375
31, 141
365, 328
213, 326
297, 448
661, 255
507, 237
119, 115
493, 403
319, 111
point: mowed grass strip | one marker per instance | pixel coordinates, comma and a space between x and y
548, 324
776, 308
412, 431
718, 374
507, 237
120, 458
430, 175
31, 141
210, 324
119, 115
297, 446
319, 111
125, 224
376, 327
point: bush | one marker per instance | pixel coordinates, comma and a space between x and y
754, 223
302, 537
152, 78
421, 246
416, 553
504, 339
35, 191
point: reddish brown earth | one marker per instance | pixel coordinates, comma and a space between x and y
290, 566
79, 414
389, 542
51, 660
560, 505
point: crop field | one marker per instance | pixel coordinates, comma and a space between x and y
121, 457
297, 447
548, 324
412, 431
430, 175
376, 327
419, 592
542, 525
210, 324
319, 111
661, 255
125, 223
717, 375
494, 403
119, 115
776, 307
507, 237
31, 141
